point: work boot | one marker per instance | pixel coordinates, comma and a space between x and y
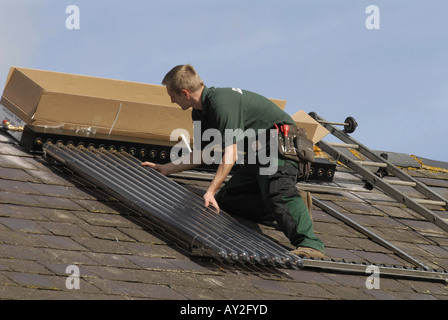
309, 253
307, 199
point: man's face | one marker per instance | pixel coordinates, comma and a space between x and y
181, 99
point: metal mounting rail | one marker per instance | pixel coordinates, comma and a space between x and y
312, 187
383, 184
391, 271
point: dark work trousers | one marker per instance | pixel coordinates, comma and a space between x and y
271, 197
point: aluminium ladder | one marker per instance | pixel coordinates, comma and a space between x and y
385, 185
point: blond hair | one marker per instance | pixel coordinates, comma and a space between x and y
182, 77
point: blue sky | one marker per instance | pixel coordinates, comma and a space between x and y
316, 54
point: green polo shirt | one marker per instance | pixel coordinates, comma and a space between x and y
229, 109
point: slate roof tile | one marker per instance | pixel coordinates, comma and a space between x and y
15, 174
64, 229
19, 199
56, 202
64, 256
395, 210
139, 290
17, 186
103, 246
27, 266
18, 238
36, 281
59, 242
12, 251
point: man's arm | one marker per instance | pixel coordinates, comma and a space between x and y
169, 168
229, 159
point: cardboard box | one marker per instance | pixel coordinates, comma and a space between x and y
280, 103
315, 131
74, 102
44, 98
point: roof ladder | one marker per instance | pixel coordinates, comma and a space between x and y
387, 167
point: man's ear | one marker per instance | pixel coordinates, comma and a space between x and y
186, 93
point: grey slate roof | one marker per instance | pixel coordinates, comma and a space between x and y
51, 219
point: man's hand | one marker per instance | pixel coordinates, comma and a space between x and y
169, 168
209, 199
230, 156
158, 167
209, 196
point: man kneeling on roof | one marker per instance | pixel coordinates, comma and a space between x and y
248, 193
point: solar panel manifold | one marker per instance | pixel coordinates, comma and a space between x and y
172, 207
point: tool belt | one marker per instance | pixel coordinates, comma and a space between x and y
293, 144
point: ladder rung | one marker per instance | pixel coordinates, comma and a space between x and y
402, 183
343, 145
322, 188
319, 188
427, 201
371, 164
